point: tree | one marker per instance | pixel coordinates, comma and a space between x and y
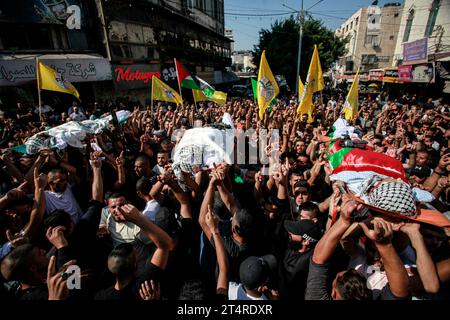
281, 45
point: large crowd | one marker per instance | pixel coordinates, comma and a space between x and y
113, 209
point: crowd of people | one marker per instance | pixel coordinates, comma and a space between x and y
114, 208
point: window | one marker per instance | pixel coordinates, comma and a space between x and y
391, 37
396, 15
356, 21
408, 26
351, 25
432, 17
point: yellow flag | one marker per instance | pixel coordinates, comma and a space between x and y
351, 102
161, 91
50, 79
314, 83
218, 97
267, 87
300, 88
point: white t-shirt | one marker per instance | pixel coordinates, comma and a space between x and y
65, 201
151, 208
236, 292
158, 170
332, 104
121, 232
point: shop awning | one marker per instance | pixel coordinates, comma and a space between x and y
21, 69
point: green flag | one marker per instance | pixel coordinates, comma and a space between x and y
254, 87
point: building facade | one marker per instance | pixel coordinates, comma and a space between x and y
109, 48
242, 62
425, 19
372, 34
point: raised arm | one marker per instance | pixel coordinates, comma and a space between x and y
164, 243
425, 265
121, 176
97, 182
212, 221
381, 235
328, 243
37, 213
208, 201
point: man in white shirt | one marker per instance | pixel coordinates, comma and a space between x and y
143, 187
60, 195
254, 273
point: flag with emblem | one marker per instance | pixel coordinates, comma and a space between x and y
218, 97
162, 92
314, 82
267, 87
351, 102
50, 79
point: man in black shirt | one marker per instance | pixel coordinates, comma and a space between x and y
293, 271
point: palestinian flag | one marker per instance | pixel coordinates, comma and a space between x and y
188, 80
362, 162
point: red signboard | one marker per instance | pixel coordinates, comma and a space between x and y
134, 76
376, 74
404, 73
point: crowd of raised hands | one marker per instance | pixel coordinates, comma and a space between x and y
114, 210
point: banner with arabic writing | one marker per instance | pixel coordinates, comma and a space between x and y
20, 71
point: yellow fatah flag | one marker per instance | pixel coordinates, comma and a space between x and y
162, 92
267, 87
314, 83
218, 97
351, 102
300, 88
50, 79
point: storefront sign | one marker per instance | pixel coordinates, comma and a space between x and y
391, 75
20, 71
134, 76
404, 73
422, 73
415, 52
376, 74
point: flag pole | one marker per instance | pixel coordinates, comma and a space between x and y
151, 99
178, 80
38, 88
195, 101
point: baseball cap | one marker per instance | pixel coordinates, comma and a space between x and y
255, 271
306, 228
420, 171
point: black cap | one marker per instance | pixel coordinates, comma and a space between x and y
420, 171
305, 228
166, 220
255, 271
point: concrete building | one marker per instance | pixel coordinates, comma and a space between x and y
109, 48
372, 34
241, 61
422, 19
229, 35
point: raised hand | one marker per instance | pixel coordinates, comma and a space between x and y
16, 240
56, 236
57, 281
40, 180
212, 220
129, 212
120, 160
96, 163
382, 232
150, 291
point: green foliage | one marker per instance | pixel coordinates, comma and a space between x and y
281, 45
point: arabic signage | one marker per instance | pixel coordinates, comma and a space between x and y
376, 75
361, 77
404, 73
134, 76
21, 71
391, 75
415, 52
67, 12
